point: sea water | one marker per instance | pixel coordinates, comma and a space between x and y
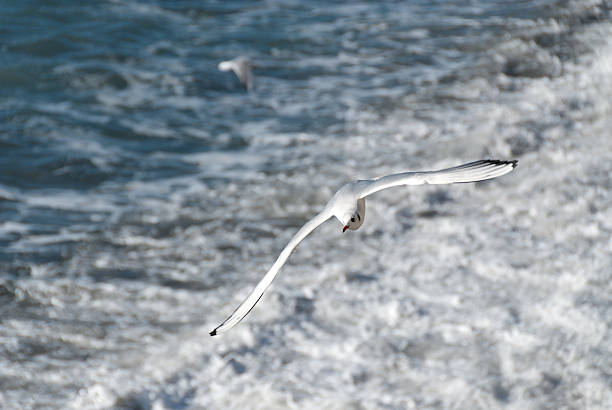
143, 193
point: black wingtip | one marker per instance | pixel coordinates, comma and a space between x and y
514, 162
213, 333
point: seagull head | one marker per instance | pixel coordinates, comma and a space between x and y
353, 220
226, 65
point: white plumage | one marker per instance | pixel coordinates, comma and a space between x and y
242, 67
348, 206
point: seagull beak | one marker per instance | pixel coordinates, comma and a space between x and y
345, 228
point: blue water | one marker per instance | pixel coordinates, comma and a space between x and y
143, 192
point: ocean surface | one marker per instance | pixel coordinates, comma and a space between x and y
143, 193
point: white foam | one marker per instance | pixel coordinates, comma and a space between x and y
494, 298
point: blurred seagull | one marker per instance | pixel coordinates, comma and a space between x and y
242, 67
348, 205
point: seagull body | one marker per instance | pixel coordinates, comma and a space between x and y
242, 67
348, 206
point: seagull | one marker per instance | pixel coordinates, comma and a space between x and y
348, 206
241, 66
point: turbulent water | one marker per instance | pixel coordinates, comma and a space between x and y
143, 193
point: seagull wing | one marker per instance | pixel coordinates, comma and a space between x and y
248, 78
470, 172
242, 69
248, 304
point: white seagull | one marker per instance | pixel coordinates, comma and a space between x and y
348, 205
241, 66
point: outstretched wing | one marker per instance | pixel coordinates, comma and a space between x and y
242, 68
248, 78
470, 172
248, 304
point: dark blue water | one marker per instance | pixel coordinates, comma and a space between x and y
141, 187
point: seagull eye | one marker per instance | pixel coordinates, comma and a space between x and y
353, 219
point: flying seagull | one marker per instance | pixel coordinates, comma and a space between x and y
348, 205
241, 66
